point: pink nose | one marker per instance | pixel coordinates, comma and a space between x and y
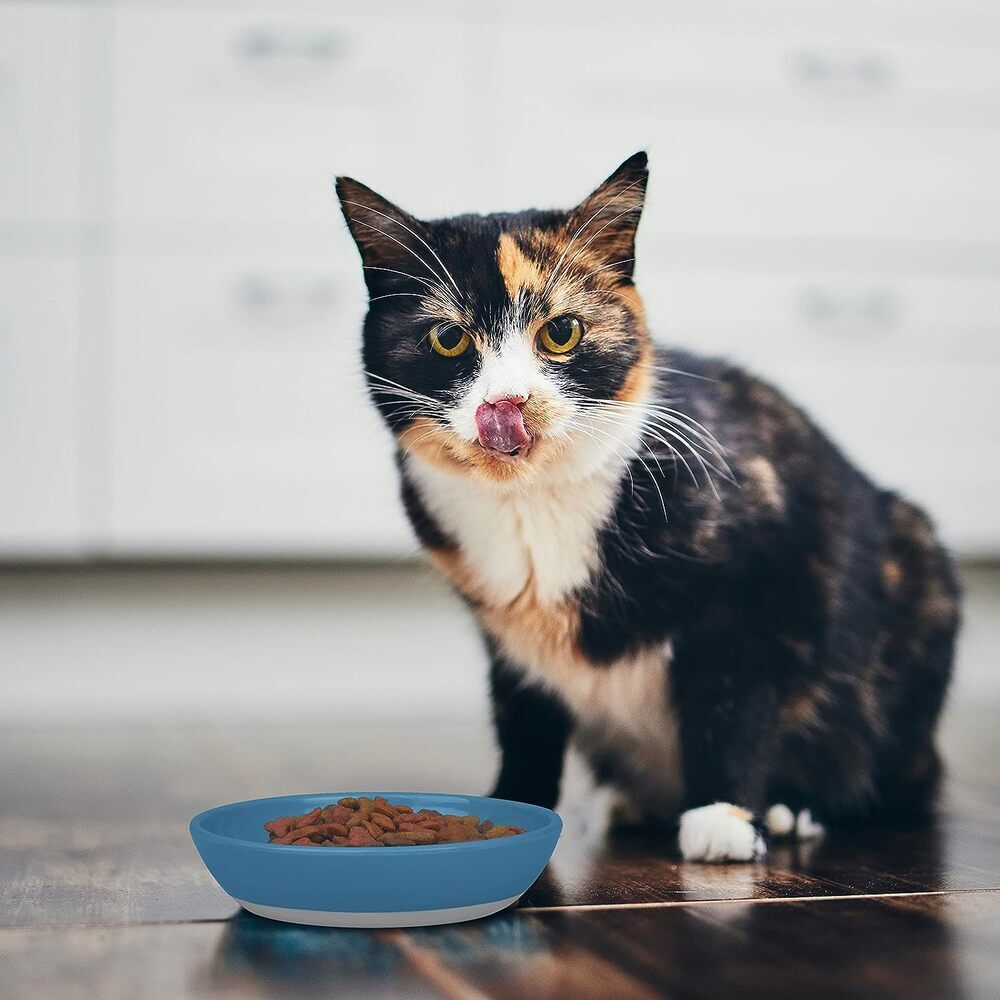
496, 398
501, 425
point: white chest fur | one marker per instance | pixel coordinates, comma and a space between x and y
543, 538
522, 555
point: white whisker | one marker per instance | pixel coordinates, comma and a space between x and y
573, 239
412, 233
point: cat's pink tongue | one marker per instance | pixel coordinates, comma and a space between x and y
501, 426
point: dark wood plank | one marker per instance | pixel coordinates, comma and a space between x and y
933, 946
243, 958
937, 946
93, 824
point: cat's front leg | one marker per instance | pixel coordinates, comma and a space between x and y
728, 722
532, 730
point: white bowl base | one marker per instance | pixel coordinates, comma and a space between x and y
404, 918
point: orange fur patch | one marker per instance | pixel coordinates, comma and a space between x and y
635, 388
518, 271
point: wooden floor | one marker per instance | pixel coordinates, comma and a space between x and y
102, 895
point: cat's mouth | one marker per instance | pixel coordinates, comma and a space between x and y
501, 429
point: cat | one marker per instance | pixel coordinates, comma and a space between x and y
671, 566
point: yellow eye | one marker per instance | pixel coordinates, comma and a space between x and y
449, 340
560, 335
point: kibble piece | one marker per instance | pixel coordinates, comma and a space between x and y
360, 837
383, 821
368, 821
397, 840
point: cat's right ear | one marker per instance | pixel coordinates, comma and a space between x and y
388, 238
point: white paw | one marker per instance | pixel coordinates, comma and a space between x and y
779, 820
782, 822
719, 832
806, 828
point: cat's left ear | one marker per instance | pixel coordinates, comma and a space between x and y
389, 239
609, 217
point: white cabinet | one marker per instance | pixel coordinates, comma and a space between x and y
245, 116
898, 366
42, 414
41, 112
758, 133
240, 423
823, 207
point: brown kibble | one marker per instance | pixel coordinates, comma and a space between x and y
360, 837
282, 827
383, 821
309, 819
422, 836
397, 840
341, 814
500, 831
369, 821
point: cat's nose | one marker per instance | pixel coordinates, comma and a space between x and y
510, 398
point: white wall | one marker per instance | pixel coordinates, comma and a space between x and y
179, 301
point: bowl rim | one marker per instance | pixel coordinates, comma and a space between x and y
553, 823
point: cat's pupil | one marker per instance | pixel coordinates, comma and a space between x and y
449, 339
561, 330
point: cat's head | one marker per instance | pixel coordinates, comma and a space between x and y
505, 346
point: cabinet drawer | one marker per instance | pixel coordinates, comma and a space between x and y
240, 422
41, 408
873, 315
651, 61
225, 115
41, 112
900, 369
759, 136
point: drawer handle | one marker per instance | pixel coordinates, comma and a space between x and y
824, 308
816, 69
261, 44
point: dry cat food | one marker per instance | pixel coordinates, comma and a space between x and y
365, 822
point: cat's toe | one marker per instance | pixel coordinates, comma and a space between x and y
782, 822
720, 832
806, 828
779, 820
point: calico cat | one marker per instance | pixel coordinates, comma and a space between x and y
671, 565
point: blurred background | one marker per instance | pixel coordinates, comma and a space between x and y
198, 513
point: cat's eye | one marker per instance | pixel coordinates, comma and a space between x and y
560, 335
449, 340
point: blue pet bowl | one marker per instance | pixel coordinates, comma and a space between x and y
374, 886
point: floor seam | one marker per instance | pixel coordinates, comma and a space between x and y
673, 903
570, 908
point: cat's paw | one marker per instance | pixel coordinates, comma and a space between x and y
720, 832
782, 822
